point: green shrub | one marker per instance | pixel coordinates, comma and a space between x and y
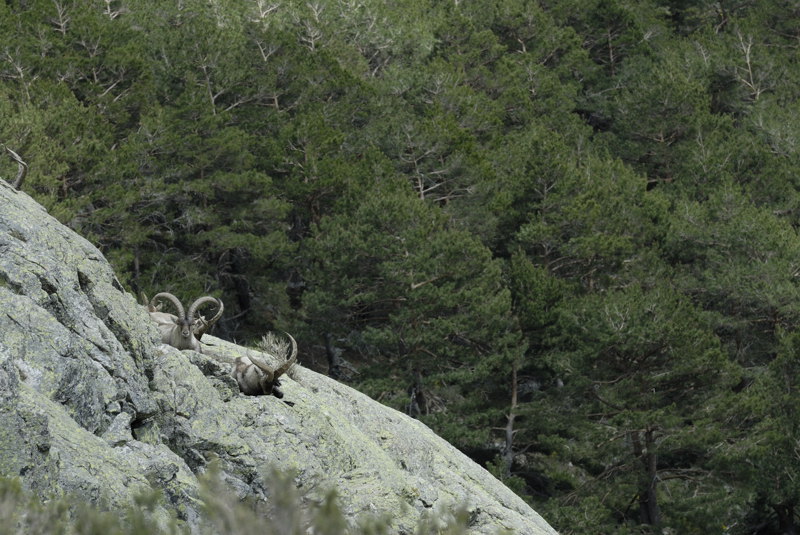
287, 512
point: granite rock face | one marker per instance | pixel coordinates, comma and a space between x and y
91, 404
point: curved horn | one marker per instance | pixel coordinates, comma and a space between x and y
283, 368
172, 299
218, 315
202, 301
261, 365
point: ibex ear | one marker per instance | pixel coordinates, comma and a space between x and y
145, 301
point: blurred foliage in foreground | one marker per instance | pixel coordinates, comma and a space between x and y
287, 513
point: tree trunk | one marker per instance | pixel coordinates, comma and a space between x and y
334, 358
786, 521
137, 271
649, 511
418, 403
508, 450
295, 288
240, 283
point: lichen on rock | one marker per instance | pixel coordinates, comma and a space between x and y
92, 405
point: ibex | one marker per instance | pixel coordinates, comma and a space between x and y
256, 378
183, 331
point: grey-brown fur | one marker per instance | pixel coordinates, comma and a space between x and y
255, 377
184, 330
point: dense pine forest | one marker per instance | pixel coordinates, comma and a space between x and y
562, 233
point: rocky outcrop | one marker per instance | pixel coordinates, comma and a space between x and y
92, 405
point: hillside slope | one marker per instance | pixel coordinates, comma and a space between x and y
92, 405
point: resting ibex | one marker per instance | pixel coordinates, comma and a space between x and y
254, 376
183, 331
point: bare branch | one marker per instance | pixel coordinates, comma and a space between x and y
62, 18
266, 51
20, 72
265, 8
111, 12
23, 168
747, 75
415, 285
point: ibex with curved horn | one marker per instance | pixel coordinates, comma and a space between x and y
256, 378
184, 330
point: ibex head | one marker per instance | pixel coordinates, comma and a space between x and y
201, 324
184, 330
